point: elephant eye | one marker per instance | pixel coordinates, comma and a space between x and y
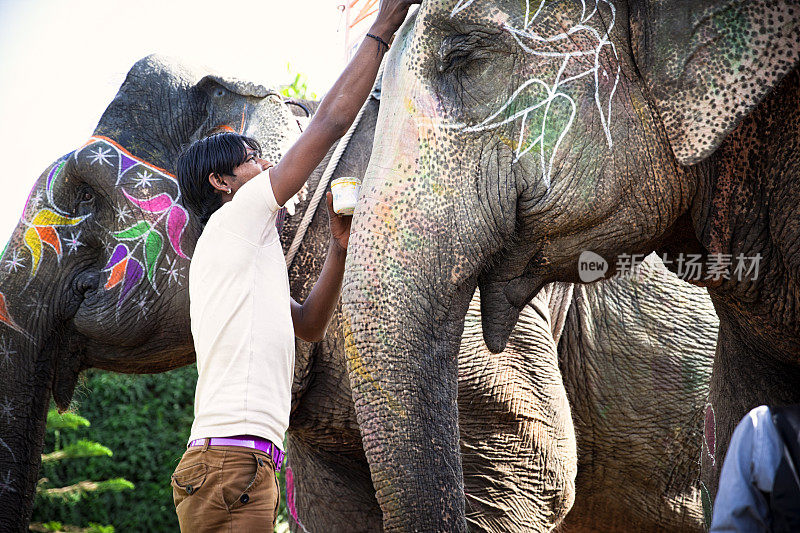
461, 51
219, 92
87, 196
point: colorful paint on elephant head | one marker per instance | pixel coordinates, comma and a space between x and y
544, 103
161, 220
43, 223
148, 191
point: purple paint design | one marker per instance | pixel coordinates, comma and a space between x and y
52, 175
710, 434
125, 163
120, 252
56, 169
133, 275
159, 204
176, 223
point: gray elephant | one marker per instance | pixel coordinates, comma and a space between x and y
522, 143
635, 375
96, 268
105, 287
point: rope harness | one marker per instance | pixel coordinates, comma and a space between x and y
323, 183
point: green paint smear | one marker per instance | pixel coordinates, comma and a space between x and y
152, 250
694, 375
134, 232
708, 506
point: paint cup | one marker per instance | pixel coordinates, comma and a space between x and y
345, 194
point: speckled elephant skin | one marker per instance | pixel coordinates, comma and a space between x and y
516, 136
100, 260
636, 357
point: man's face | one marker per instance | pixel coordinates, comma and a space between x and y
252, 166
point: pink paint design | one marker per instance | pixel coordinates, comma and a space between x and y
176, 224
290, 497
158, 204
710, 434
177, 219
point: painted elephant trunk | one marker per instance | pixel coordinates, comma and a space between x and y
32, 367
40, 352
23, 433
404, 379
407, 288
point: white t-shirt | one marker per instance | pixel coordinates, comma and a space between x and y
241, 320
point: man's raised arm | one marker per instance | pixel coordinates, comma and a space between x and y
340, 106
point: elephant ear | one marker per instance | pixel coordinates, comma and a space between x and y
234, 85
708, 64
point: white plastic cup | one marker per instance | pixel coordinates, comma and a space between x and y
345, 194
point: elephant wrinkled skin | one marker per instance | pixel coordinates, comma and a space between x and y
515, 136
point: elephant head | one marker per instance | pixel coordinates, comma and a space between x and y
95, 273
514, 136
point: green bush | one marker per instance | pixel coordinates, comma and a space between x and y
77, 490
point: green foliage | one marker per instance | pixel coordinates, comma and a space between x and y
67, 420
72, 494
58, 527
298, 87
146, 420
82, 448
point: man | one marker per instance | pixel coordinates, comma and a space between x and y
243, 318
759, 487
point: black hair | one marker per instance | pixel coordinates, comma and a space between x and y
219, 154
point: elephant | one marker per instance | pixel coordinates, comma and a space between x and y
109, 291
95, 271
522, 143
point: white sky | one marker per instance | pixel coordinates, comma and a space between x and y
61, 63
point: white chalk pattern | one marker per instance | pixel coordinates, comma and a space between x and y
6, 410
100, 156
16, 262
73, 242
122, 213
5, 484
526, 37
144, 179
173, 272
6, 351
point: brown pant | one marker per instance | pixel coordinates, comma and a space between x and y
225, 488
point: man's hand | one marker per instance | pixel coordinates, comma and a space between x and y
312, 317
339, 224
390, 17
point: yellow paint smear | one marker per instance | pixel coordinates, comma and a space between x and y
46, 217
357, 366
34, 244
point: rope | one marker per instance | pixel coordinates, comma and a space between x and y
323, 183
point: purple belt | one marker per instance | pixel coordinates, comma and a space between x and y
249, 442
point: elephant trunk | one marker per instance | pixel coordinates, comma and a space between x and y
402, 355
27, 384
40, 355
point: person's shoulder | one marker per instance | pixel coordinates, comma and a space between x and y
259, 190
